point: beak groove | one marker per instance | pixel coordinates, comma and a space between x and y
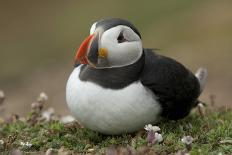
82, 51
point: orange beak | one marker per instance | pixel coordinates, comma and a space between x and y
81, 55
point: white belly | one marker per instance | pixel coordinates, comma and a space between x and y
111, 111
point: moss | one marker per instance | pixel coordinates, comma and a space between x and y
207, 132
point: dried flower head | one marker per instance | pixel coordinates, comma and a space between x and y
201, 109
42, 97
1, 142
67, 119
34, 105
187, 140
47, 114
2, 97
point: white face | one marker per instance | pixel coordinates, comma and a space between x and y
93, 27
122, 44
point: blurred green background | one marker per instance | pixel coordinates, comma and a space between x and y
38, 40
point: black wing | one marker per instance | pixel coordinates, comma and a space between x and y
175, 86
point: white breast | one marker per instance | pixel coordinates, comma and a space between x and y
111, 111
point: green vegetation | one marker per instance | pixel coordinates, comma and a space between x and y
212, 133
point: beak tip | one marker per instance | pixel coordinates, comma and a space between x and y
81, 52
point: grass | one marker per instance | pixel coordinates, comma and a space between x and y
212, 133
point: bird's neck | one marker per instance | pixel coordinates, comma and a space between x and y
114, 78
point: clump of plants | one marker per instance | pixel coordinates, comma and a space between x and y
207, 130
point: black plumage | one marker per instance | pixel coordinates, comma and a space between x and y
112, 22
113, 78
176, 87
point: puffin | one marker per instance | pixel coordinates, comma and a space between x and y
118, 87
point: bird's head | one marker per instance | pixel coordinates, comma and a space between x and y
112, 43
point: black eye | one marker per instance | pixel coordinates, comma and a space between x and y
121, 38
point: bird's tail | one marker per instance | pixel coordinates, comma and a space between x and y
201, 75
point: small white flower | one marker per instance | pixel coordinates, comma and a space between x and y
187, 140
27, 144
149, 127
22, 143
158, 137
1, 142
